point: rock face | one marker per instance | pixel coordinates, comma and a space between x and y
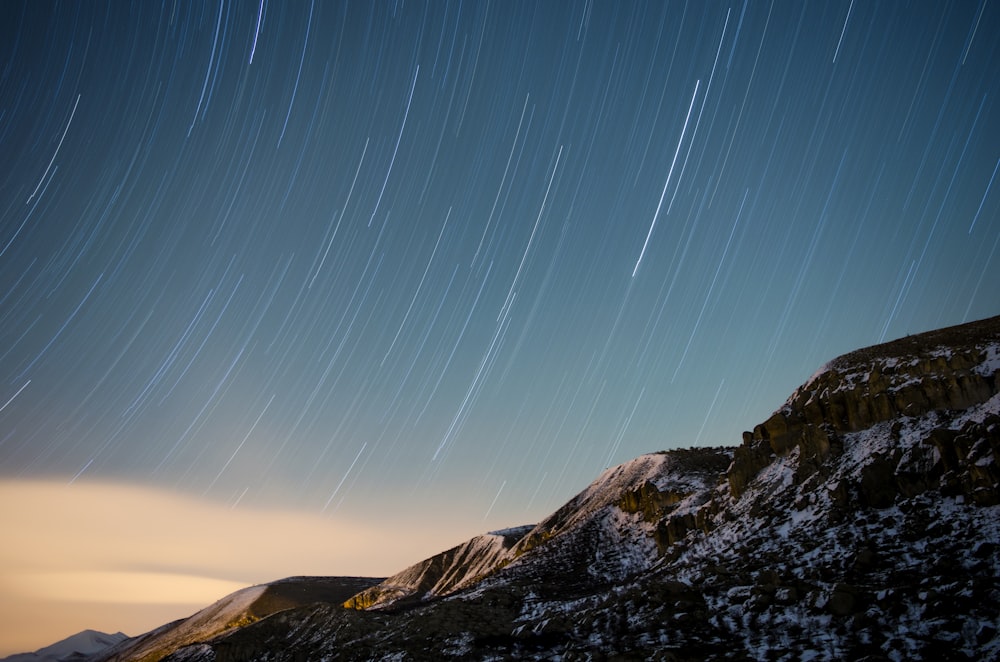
859, 521
947, 370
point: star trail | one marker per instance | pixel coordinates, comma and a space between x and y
451, 259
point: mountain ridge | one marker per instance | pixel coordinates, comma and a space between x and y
233, 611
861, 520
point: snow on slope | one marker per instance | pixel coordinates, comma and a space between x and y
905, 361
611, 536
607, 533
77, 646
900, 576
442, 573
657, 469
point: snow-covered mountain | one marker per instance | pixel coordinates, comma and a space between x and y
860, 521
80, 646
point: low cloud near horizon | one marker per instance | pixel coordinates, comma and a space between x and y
120, 557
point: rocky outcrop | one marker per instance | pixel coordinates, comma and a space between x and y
949, 369
969, 460
649, 501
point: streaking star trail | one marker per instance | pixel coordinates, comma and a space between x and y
452, 259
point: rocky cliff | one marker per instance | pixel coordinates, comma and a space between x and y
859, 521
943, 371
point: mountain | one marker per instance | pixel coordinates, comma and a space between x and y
79, 646
236, 610
443, 573
860, 521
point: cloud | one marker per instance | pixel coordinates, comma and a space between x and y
120, 587
79, 553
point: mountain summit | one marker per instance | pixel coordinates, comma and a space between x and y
860, 521
80, 646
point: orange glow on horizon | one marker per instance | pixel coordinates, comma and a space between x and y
124, 557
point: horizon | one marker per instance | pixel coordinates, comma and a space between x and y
358, 269
142, 557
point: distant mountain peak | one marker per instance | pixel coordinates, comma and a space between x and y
74, 648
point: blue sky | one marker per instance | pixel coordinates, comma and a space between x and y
450, 260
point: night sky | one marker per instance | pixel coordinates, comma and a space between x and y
451, 260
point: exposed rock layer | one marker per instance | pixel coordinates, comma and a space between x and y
949, 369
